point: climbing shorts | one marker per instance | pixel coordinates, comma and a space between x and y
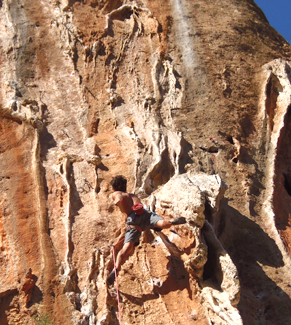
144, 221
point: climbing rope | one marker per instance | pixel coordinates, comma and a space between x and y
117, 293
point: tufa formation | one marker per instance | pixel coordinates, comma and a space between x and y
190, 101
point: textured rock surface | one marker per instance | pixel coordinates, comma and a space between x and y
190, 100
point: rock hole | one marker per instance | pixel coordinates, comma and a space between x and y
184, 158
229, 138
47, 142
122, 13
14, 106
94, 127
287, 183
227, 92
61, 198
160, 174
178, 85
98, 185
74, 56
235, 160
44, 111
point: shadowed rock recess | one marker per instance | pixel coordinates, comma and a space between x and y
190, 100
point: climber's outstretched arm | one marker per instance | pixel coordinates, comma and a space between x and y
164, 224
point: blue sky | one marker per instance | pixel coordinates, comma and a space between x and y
278, 13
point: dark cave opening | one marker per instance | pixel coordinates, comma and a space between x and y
287, 183
160, 174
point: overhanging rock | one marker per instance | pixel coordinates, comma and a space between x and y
186, 195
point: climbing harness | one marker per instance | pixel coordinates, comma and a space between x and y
134, 227
117, 293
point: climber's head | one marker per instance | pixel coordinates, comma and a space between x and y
119, 183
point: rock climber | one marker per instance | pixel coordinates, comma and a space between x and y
137, 219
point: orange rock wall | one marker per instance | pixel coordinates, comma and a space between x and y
187, 99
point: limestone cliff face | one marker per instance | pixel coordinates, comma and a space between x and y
188, 99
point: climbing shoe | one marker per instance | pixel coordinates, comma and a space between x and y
111, 278
178, 221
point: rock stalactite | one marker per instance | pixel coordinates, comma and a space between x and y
190, 101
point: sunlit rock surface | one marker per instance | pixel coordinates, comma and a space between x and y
190, 100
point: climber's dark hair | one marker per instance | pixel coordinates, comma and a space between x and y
119, 183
